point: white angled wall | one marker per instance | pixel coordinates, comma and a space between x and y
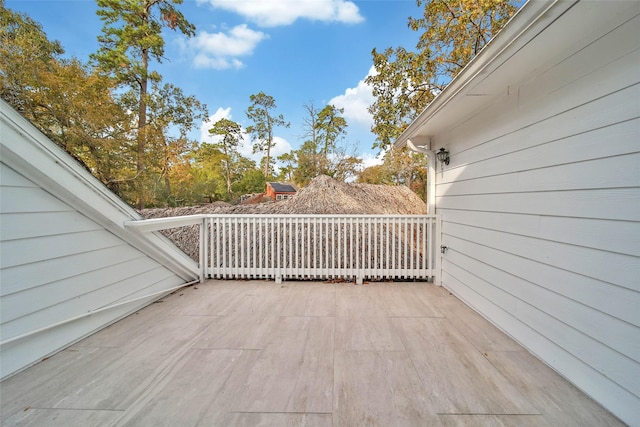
58, 259
541, 213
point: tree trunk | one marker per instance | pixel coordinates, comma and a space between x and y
142, 127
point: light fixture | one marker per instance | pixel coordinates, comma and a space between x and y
443, 156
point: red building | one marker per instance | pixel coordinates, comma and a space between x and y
279, 191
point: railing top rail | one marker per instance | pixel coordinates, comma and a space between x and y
293, 215
156, 224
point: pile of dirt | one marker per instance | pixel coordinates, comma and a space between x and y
323, 195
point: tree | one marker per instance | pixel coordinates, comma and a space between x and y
307, 165
264, 122
406, 82
286, 171
231, 136
400, 167
131, 38
68, 101
346, 168
208, 173
252, 181
329, 126
171, 116
25, 54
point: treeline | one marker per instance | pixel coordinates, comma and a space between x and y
117, 116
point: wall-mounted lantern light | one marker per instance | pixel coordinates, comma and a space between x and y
443, 156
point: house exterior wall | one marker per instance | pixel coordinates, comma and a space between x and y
60, 259
540, 213
270, 192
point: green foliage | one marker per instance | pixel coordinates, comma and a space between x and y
260, 112
286, 170
25, 55
253, 181
131, 38
329, 126
400, 167
322, 153
68, 101
405, 82
231, 136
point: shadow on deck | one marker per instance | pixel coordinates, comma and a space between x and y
253, 353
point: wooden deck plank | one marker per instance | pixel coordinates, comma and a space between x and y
358, 301
557, 399
313, 354
479, 331
294, 373
258, 419
366, 334
403, 301
187, 394
311, 300
460, 379
494, 421
239, 331
379, 388
36, 417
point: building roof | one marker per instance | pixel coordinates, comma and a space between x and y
282, 188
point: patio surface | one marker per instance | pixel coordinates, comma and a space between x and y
254, 353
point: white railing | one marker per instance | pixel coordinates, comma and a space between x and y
352, 247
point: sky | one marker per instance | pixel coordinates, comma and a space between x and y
297, 51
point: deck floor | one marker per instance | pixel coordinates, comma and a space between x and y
254, 353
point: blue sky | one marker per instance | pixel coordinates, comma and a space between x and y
297, 51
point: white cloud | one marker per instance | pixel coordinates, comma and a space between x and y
221, 113
280, 146
245, 148
356, 102
369, 160
278, 12
220, 50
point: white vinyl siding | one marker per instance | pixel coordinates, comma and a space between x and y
53, 272
64, 251
541, 212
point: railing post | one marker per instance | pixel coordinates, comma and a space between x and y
437, 266
202, 256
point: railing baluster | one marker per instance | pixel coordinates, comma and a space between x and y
311, 246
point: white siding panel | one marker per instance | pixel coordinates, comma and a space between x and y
36, 224
31, 300
57, 264
17, 356
10, 178
540, 207
616, 204
603, 389
123, 290
617, 113
35, 249
613, 300
614, 268
15, 279
30, 199
618, 236
555, 317
526, 123
572, 176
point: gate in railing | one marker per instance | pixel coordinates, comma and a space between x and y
353, 247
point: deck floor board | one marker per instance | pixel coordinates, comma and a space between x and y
256, 353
